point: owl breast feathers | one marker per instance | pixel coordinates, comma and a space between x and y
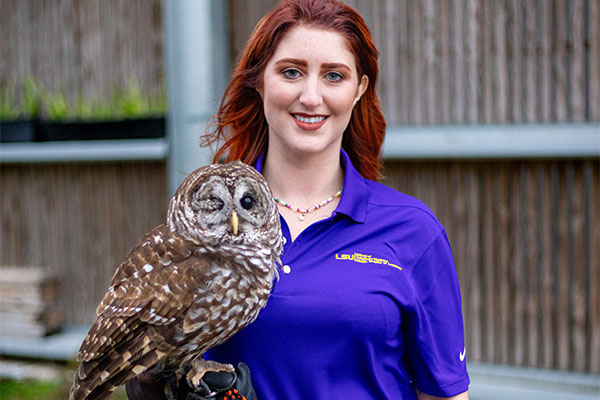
189, 284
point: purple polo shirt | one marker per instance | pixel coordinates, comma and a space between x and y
371, 305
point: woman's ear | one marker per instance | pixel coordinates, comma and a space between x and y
362, 87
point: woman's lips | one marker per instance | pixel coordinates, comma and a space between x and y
309, 122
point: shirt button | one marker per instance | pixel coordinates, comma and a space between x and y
284, 240
286, 269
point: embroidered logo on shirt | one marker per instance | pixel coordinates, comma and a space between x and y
463, 354
365, 259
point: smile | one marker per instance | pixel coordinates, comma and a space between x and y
309, 120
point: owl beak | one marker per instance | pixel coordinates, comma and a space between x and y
234, 222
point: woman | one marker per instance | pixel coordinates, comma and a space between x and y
368, 305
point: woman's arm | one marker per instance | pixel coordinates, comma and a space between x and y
423, 396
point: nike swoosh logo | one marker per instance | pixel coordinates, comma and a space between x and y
463, 354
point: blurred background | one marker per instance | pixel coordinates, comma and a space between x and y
493, 110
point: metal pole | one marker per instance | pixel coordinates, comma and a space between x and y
197, 65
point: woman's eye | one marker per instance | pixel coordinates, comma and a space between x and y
247, 202
291, 73
334, 76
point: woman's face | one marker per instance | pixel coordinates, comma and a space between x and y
309, 88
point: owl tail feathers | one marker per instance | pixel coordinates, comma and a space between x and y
94, 381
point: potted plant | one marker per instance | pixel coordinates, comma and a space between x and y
128, 115
18, 120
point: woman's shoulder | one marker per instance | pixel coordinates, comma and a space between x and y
394, 202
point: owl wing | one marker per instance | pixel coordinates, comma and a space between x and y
154, 285
149, 294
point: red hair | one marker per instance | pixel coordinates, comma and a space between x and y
240, 121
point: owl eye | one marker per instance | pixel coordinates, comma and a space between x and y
247, 202
216, 203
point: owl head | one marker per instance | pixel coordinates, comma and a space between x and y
226, 204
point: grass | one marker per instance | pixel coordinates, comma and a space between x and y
29, 389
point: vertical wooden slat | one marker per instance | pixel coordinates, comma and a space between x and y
471, 61
559, 73
502, 275
517, 268
592, 183
415, 64
576, 60
473, 261
562, 273
457, 64
593, 60
489, 313
499, 66
533, 274
544, 82
485, 64
530, 60
402, 63
75, 260
545, 268
430, 84
579, 267
516, 96
442, 44
558, 252
389, 67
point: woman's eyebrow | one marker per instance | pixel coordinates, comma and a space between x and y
335, 66
294, 61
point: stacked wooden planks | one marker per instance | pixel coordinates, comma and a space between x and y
28, 302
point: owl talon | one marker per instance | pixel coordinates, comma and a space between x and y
199, 368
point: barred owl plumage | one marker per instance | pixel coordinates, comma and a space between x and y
189, 285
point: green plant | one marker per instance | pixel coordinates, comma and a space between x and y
56, 106
8, 108
31, 98
82, 107
36, 101
131, 103
28, 107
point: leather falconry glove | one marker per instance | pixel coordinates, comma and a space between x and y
152, 385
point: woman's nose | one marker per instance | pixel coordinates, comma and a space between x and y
311, 96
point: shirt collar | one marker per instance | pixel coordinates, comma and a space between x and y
354, 193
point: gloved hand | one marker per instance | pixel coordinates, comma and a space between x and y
225, 385
217, 385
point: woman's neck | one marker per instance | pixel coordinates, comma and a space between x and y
303, 180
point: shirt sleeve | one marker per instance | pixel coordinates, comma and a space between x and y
435, 345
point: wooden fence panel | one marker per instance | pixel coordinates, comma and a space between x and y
83, 48
80, 220
525, 241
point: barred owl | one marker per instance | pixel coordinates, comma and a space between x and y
189, 285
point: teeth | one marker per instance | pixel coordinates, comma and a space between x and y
310, 120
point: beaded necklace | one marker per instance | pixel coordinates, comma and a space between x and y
304, 211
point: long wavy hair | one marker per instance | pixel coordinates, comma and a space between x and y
240, 126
